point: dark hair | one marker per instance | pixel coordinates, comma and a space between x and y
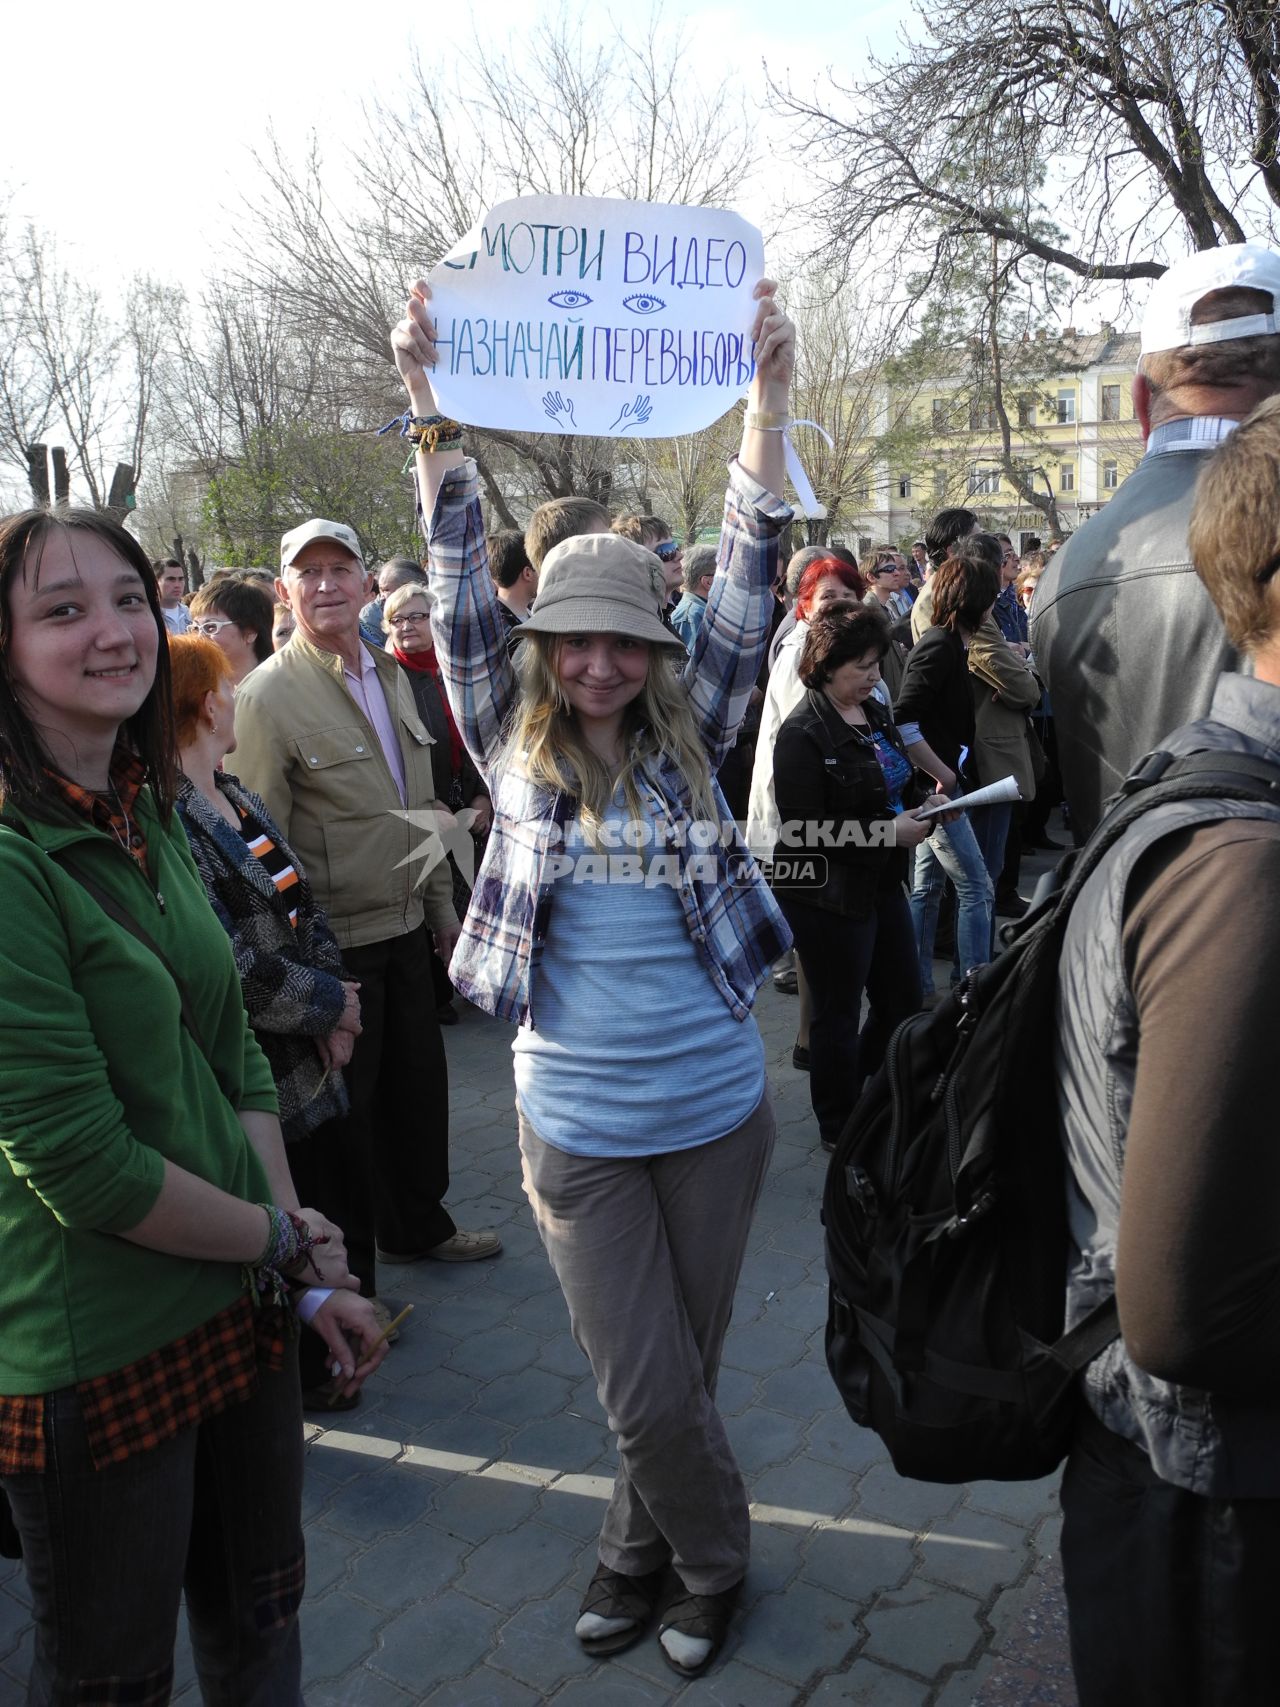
967, 584
835, 637
508, 558
163, 563
245, 600
819, 570
24, 761
842, 554
945, 529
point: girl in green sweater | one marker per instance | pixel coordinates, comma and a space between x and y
150, 1435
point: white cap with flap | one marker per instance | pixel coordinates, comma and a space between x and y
1166, 325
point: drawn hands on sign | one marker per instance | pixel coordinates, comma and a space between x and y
632, 415
560, 409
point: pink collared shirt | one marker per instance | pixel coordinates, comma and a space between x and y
367, 691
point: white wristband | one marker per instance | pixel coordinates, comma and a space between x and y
309, 1302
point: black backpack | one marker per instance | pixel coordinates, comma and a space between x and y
945, 1203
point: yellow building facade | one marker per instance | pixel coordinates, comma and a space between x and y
1074, 432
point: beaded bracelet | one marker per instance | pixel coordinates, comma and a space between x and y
290, 1241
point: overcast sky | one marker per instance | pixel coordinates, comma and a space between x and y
127, 131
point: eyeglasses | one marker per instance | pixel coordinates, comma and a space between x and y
667, 550
410, 620
212, 626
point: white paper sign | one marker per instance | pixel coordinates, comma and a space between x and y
584, 314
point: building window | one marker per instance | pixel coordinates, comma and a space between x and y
984, 482
1066, 408
1066, 477
939, 483
939, 414
1026, 411
1111, 403
861, 492
904, 485
1110, 476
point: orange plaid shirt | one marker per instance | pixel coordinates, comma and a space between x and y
205, 1371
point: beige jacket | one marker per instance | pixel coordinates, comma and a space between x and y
1005, 689
305, 746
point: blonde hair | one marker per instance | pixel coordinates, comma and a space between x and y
400, 597
1235, 528
545, 741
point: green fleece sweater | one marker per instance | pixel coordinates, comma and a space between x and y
100, 1083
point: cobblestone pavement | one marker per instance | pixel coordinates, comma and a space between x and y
451, 1519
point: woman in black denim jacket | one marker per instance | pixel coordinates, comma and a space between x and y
842, 780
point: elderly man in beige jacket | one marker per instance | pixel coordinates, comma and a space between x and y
329, 736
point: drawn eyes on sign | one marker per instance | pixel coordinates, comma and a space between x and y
569, 299
643, 303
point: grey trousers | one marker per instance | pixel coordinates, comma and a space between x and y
647, 1253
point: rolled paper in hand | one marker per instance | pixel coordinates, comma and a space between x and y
991, 795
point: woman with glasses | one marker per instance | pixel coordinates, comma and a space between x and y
236, 612
407, 619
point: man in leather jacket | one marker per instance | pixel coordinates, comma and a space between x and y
1123, 634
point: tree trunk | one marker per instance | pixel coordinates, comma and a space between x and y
38, 475
123, 495
61, 478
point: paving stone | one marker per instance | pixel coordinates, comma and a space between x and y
538, 1647
735, 1390
477, 1440
801, 1307
546, 1314
525, 1275
859, 1557
473, 1313
1020, 1502
798, 1235
761, 1347
964, 1688
502, 1570
609, 1688
360, 1688
337, 1634
424, 1399
14, 1619
882, 1492
562, 1355
802, 1493
760, 1437
772, 1271
576, 1503
476, 1507
776, 1557
379, 1505
421, 1352
734, 1683
327, 1558
525, 1397
866, 1684
408, 1567
794, 1634
498, 1351
483, 1687
562, 1443
921, 1628
443, 1638
1048, 1537
805, 1390
972, 1551
835, 1438
340, 1456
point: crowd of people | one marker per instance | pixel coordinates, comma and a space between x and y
258, 841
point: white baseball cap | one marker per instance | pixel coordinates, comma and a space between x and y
317, 528
1166, 325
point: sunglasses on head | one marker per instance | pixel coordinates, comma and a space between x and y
666, 551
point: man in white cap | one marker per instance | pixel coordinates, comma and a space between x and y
328, 735
1122, 631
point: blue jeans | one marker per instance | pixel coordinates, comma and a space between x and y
215, 1511
952, 852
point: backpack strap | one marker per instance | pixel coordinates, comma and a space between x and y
1162, 779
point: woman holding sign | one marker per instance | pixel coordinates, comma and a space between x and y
613, 879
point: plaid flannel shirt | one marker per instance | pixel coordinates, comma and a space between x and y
733, 919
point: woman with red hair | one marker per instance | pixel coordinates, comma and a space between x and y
304, 1010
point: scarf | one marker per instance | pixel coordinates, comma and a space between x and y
426, 663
